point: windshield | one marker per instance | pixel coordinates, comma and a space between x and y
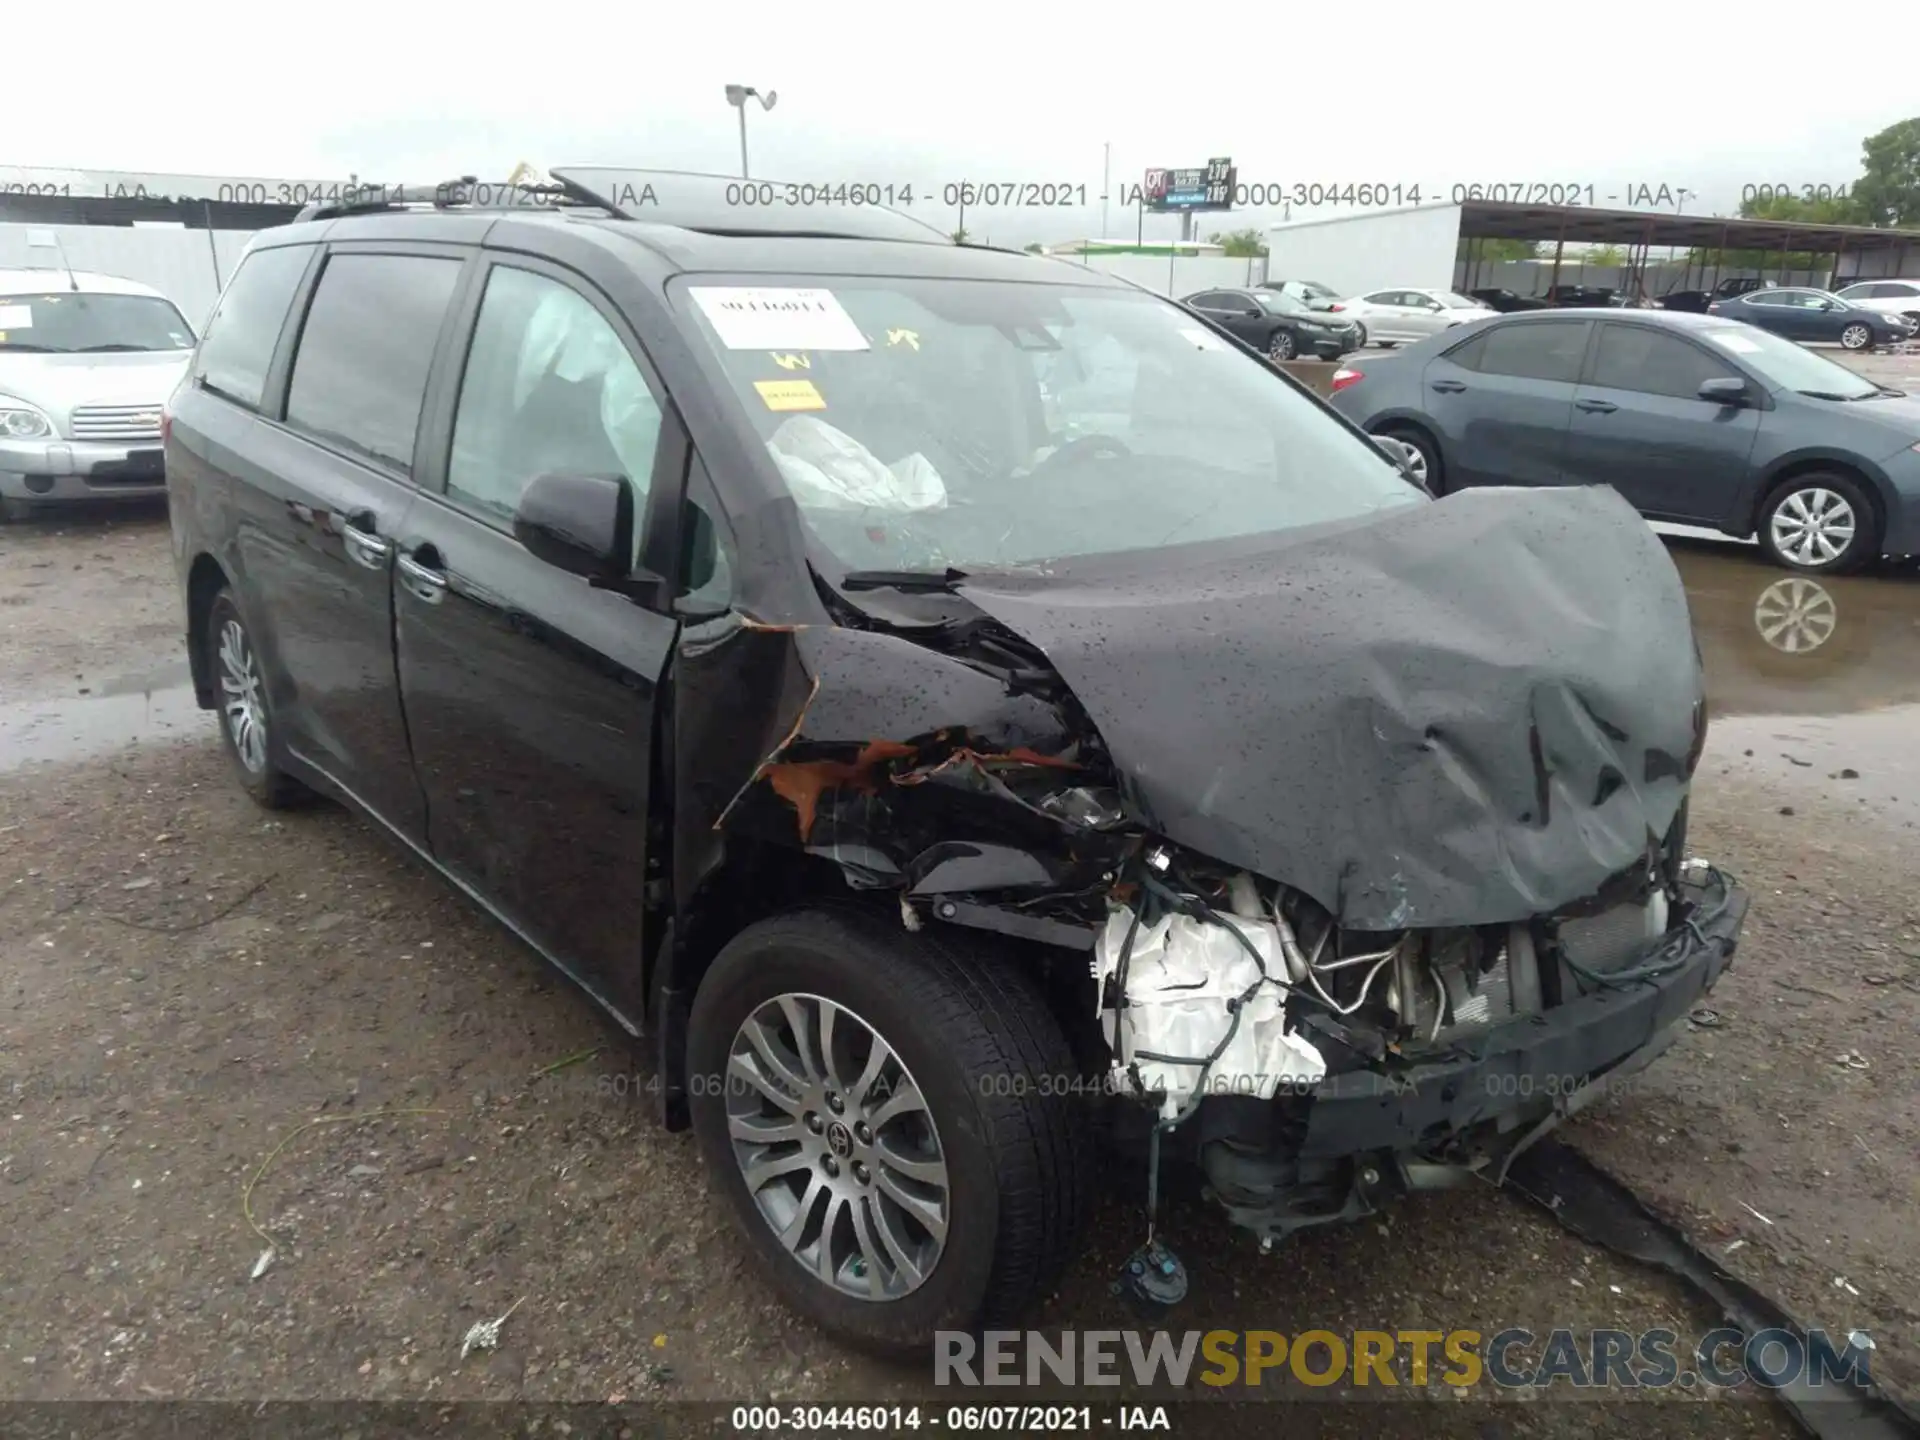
1281, 303
1318, 291
925, 424
1790, 366
76, 323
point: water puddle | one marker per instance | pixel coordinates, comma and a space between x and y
155, 705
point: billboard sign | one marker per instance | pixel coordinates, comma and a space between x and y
1209, 187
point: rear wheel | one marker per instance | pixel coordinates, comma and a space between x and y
246, 716
1423, 456
874, 1104
1360, 336
1821, 523
1856, 337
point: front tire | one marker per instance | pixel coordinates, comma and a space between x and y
1856, 337
1822, 524
245, 714
885, 1112
1360, 333
1280, 345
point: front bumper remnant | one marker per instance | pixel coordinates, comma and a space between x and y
1460, 1113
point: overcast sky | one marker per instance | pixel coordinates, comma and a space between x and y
926, 94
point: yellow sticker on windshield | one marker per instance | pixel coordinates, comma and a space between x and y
904, 337
789, 395
792, 362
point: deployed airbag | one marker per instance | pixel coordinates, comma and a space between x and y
1182, 976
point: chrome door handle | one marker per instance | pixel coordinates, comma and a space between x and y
369, 550
425, 585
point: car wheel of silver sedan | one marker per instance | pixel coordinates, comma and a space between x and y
883, 1111
1856, 337
1822, 523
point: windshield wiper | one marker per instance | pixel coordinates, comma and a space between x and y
21, 345
1826, 395
908, 580
97, 349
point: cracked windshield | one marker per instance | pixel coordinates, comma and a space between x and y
930, 424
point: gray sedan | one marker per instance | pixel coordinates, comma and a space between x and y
1694, 419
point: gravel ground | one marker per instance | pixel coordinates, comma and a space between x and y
191, 989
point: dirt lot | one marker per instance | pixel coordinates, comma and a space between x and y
191, 989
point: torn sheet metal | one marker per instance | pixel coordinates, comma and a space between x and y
1185, 979
906, 766
1454, 714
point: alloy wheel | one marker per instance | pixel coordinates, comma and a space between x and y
1856, 337
240, 698
1281, 347
837, 1146
1813, 527
1416, 460
1795, 615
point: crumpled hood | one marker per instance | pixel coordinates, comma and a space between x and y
1458, 713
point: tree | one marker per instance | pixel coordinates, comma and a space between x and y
1604, 255
1888, 190
959, 237
1034, 247
1239, 242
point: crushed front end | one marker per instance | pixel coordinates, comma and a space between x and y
1315, 1073
1353, 859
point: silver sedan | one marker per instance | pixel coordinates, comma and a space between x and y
1391, 317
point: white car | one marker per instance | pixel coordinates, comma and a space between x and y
87, 364
1391, 317
1889, 297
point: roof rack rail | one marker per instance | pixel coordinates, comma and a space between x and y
733, 205
468, 192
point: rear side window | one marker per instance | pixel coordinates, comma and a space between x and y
1633, 357
361, 371
238, 347
1534, 350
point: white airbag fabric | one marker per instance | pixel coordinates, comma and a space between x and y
1181, 974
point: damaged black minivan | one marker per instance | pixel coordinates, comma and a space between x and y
954, 706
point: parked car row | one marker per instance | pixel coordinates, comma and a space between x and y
1695, 419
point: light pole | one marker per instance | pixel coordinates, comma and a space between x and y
737, 96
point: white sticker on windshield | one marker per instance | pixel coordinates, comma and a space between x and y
751, 318
16, 317
1734, 341
1201, 339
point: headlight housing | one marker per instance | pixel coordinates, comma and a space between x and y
21, 421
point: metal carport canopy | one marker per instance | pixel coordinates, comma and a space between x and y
1503, 220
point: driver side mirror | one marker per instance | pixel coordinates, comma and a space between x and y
582, 524
1724, 390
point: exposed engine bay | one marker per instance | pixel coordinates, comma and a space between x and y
1368, 917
